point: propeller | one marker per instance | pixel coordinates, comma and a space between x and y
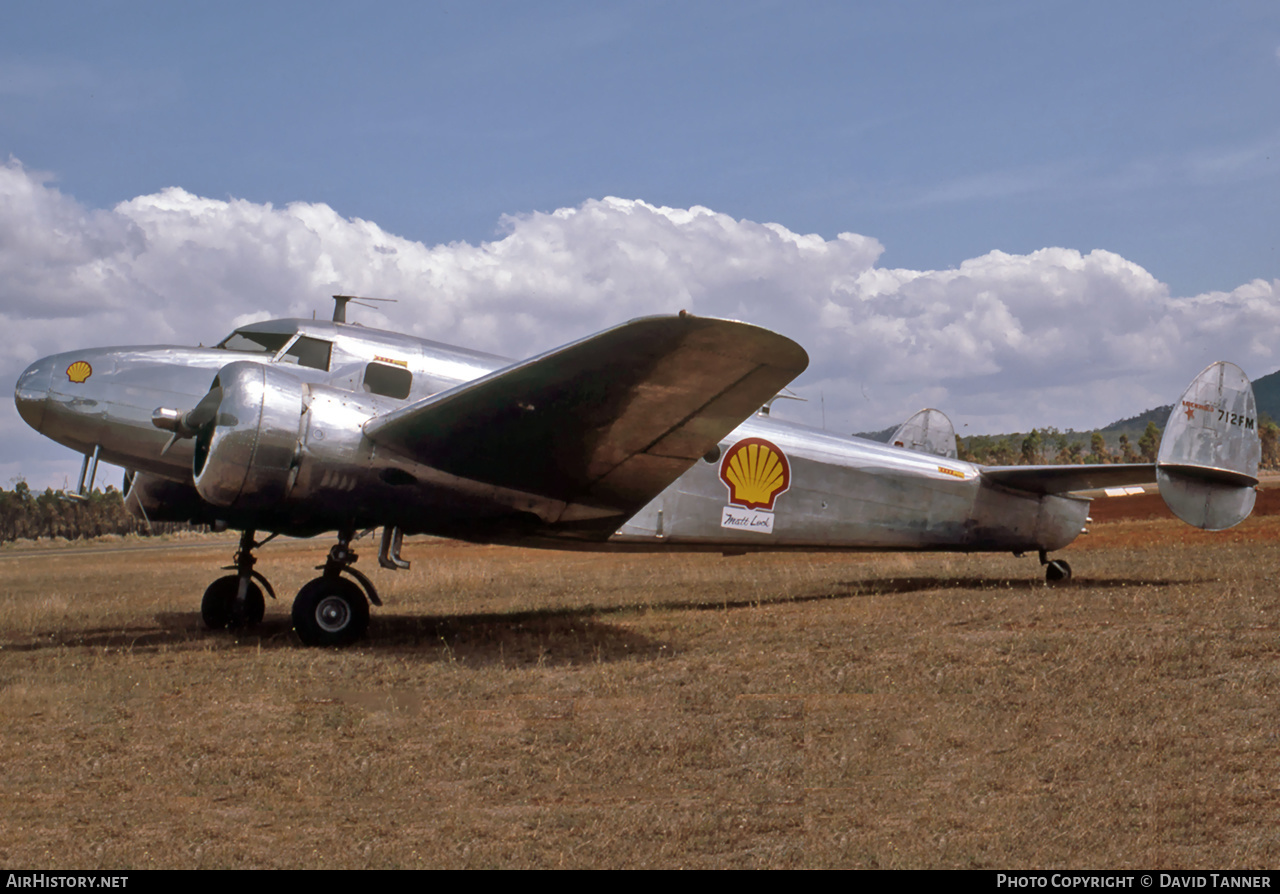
188, 424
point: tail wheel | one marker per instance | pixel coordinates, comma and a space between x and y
221, 610
330, 611
1057, 572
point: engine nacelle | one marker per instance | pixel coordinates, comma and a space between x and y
246, 457
155, 499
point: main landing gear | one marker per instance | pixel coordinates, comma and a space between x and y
235, 601
331, 610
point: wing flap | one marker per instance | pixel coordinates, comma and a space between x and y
633, 481
608, 421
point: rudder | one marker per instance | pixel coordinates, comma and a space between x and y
929, 431
1208, 462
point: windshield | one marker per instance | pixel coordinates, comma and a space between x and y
254, 342
310, 352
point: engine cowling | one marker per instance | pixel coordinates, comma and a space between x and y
246, 456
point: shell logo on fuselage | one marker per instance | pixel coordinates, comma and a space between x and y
79, 371
756, 473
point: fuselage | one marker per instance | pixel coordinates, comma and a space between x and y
837, 492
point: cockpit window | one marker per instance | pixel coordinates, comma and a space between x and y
302, 350
312, 352
255, 342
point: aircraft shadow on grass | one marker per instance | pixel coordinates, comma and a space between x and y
553, 637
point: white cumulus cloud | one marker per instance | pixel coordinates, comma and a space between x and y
1054, 337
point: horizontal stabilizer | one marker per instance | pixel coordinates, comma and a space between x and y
1064, 479
607, 421
929, 431
1209, 452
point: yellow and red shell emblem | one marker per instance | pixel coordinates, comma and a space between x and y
756, 473
79, 371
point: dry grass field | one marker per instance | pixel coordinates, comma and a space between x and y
514, 708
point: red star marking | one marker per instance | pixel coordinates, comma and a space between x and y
1191, 414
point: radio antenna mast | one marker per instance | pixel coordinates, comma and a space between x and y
340, 305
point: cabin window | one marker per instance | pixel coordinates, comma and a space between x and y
310, 352
388, 380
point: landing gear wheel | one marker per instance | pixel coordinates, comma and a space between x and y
1057, 572
330, 611
221, 610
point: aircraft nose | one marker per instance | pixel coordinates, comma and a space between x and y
31, 394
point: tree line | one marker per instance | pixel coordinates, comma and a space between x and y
31, 516
1048, 445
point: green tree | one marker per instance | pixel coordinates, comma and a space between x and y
1098, 448
1149, 443
1126, 450
1269, 434
1002, 453
1032, 445
1056, 440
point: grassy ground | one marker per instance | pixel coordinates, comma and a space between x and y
515, 708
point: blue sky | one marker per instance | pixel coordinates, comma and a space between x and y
945, 130
941, 132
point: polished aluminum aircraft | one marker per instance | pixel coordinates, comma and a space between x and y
653, 435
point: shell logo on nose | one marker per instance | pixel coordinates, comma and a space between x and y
79, 371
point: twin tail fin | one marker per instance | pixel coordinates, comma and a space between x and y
1207, 467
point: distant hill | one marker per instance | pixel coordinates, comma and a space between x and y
882, 436
1134, 426
1266, 391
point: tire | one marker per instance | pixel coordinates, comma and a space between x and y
330, 612
1057, 572
219, 610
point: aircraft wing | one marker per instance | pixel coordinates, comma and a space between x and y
1064, 479
608, 421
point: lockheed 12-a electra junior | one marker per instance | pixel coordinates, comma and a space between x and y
653, 435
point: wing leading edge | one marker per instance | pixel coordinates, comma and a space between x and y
606, 422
